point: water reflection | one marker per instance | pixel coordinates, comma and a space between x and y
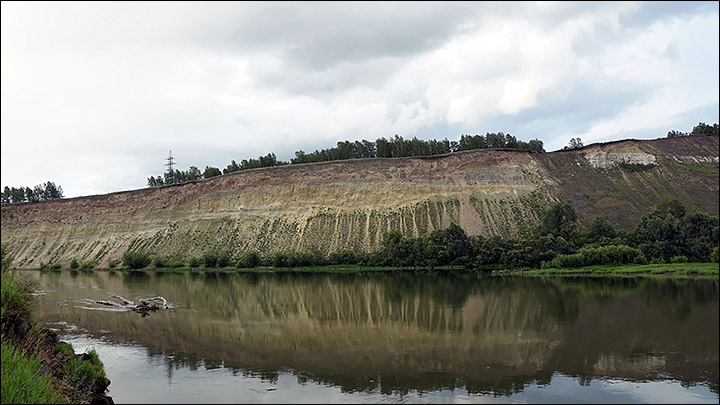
401, 333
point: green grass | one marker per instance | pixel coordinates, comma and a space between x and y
334, 268
15, 295
705, 169
84, 370
672, 270
24, 378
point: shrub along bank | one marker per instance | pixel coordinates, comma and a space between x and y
666, 235
36, 366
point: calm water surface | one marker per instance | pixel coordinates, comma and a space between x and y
403, 337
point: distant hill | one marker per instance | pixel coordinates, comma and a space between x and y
349, 204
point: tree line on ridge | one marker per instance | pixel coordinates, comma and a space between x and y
41, 192
386, 148
381, 148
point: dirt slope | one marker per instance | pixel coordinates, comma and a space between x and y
350, 204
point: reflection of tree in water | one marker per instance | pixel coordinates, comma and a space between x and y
423, 331
429, 300
136, 279
173, 361
356, 298
641, 328
508, 385
389, 384
443, 287
557, 304
676, 298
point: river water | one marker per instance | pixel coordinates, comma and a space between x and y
391, 337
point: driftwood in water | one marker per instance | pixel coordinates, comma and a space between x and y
143, 307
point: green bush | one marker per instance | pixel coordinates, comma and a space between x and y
280, 259
175, 263
636, 167
298, 259
112, 263
210, 259
342, 257
248, 260
566, 261
223, 259
74, 263
604, 255
679, 259
159, 262
50, 266
135, 260
194, 262
90, 264
714, 255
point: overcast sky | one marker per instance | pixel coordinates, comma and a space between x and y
95, 95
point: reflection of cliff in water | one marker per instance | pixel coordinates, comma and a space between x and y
400, 332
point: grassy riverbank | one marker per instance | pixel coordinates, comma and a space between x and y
36, 366
709, 270
667, 270
329, 269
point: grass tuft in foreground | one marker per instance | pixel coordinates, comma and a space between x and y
25, 379
36, 367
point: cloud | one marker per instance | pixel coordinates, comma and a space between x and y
123, 83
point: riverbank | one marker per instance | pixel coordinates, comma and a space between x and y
705, 270
711, 270
36, 366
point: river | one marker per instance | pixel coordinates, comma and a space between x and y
391, 337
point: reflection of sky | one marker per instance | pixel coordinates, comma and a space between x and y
564, 389
137, 377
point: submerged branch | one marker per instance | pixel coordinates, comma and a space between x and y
144, 307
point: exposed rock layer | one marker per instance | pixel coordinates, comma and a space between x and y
350, 204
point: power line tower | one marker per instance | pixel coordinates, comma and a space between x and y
169, 165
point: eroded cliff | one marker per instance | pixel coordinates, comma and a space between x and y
350, 204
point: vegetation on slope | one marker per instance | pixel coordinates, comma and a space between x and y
665, 235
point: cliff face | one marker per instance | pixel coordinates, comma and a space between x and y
350, 204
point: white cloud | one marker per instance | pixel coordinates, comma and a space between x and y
122, 83
679, 80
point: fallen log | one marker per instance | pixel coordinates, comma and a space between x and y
143, 307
